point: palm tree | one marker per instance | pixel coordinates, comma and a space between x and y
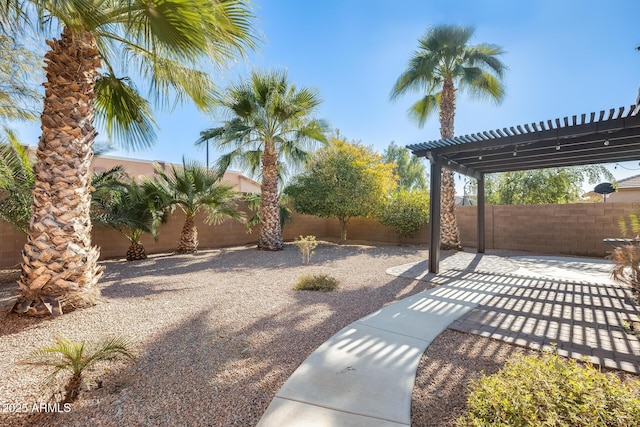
167, 42
254, 201
270, 126
76, 358
129, 207
444, 63
193, 188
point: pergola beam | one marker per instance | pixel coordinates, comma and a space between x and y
434, 215
612, 136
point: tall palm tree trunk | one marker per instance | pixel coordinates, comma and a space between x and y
270, 230
188, 243
59, 269
450, 235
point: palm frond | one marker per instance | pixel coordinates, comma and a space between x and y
16, 183
266, 107
424, 108
193, 187
444, 54
125, 113
76, 357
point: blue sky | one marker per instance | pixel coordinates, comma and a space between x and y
565, 57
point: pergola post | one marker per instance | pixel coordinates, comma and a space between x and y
481, 214
434, 214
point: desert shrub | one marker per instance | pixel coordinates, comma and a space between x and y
306, 245
316, 282
627, 258
627, 267
548, 390
406, 212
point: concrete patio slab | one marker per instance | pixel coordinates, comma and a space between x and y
568, 268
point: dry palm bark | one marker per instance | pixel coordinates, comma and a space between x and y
136, 252
60, 270
189, 237
270, 230
449, 234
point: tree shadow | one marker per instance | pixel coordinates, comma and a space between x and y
209, 370
447, 368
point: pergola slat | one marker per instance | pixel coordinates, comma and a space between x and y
524, 147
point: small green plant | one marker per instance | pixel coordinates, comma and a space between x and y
306, 245
75, 358
548, 390
406, 212
316, 282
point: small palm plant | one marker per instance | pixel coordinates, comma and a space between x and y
132, 209
193, 188
75, 358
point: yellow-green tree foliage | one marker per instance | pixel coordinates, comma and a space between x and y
343, 180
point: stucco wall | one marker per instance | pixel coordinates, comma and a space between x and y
576, 229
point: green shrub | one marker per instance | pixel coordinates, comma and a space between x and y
306, 245
548, 390
406, 212
316, 282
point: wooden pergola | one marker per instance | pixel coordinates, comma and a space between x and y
607, 137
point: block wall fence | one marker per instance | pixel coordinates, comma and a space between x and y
575, 229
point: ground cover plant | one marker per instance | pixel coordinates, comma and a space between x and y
549, 390
316, 282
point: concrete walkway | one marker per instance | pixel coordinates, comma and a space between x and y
364, 375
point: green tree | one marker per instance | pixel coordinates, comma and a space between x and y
168, 43
271, 127
342, 180
542, 186
406, 211
412, 174
444, 64
193, 188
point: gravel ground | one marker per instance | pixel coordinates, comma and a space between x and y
218, 333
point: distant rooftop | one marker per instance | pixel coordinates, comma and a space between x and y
631, 182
